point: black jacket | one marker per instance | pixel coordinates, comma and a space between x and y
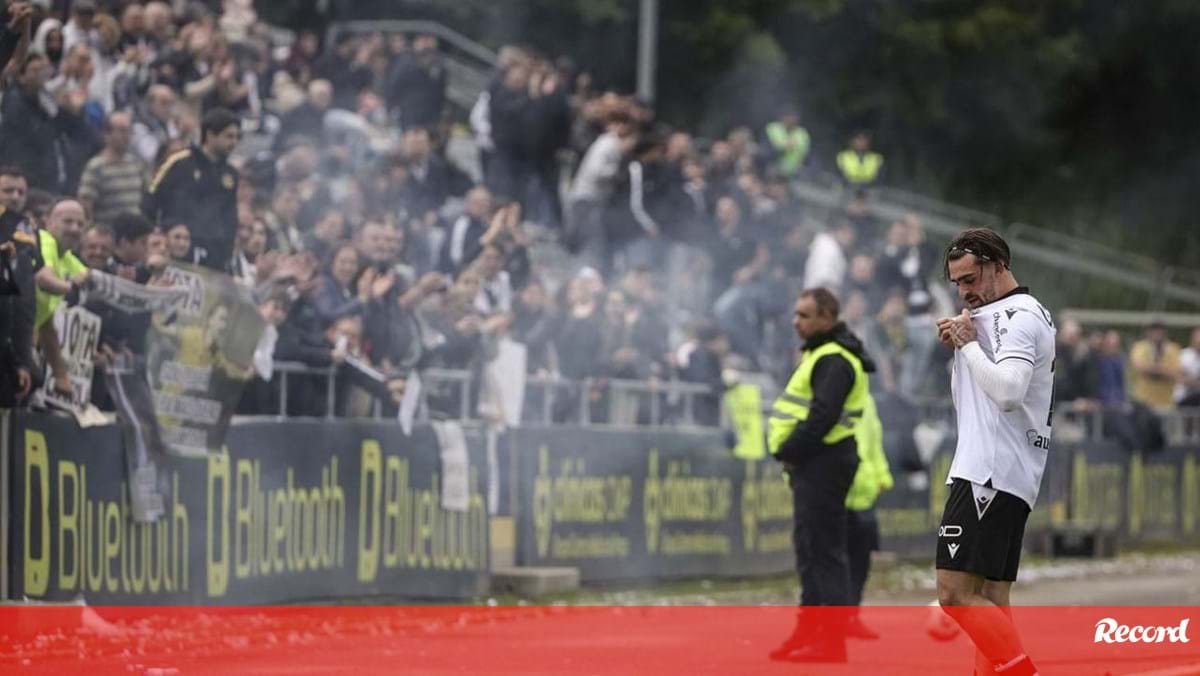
17, 296
832, 379
190, 188
51, 149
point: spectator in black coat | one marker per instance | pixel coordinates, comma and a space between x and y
307, 119
34, 137
462, 243
417, 85
428, 174
700, 362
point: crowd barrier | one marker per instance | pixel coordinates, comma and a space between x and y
321, 509
302, 510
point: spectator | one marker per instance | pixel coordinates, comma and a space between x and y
283, 229
19, 260
347, 66
34, 138
1076, 373
156, 246
826, 265
308, 119
462, 243
329, 229
154, 124
198, 187
122, 334
179, 243
1187, 394
700, 361
61, 275
579, 341
862, 279
858, 164
1111, 366
593, 187
336, 295
133, 29
428, 173
48, 42
536, 325
495, 288
98, 247
417, 85
81, 27
248, 250
113, 181
1155, 362
789, 143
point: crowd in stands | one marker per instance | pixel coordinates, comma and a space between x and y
328, 179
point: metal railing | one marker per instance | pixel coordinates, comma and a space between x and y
654, 398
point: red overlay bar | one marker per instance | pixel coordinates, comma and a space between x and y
564, 640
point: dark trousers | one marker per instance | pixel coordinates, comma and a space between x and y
819, 488
862, 538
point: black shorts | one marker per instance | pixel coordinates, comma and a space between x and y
981, 531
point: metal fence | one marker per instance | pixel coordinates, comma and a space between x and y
625, 402
616, 402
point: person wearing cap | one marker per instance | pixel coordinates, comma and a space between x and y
198, 187
1155, 361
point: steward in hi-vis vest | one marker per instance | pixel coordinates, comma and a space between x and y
858, 164
811, 430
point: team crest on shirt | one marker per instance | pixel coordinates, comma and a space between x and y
227, 181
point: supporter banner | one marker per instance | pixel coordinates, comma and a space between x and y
129, 296
648, 504
78, 333
294, 511
200, 353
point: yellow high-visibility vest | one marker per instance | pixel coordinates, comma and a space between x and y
873, 475
794, 404
859, 169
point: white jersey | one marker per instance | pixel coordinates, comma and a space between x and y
1007, 448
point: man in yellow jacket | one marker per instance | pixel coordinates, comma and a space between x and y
862, 529
812, 429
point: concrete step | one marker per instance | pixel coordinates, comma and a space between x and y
529, 581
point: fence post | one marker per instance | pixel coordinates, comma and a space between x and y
585, 388
283, 394
465, 398
330, 391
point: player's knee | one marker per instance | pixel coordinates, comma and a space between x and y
950, 596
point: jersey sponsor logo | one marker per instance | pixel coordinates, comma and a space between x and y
953, 548
1109, 630
1037, 440
997, 332
950, 531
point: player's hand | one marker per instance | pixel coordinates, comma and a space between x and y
962, 329
24, 382
943, 331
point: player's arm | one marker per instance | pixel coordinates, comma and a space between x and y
1006, 379
832, 378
